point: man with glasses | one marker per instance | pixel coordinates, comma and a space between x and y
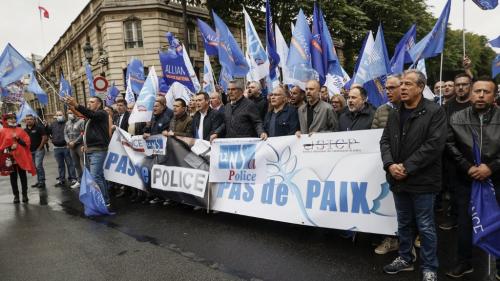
283, 119
393, 89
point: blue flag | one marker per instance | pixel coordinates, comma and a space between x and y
367, 41
485, 211
257, 57
495, 67
35, 88
24, 110
64, 87
143, 107
486, 4
401, 55
208, 84
13, 66
374, 62
224, 78
90, 79
91, 196
272, 53
299, 55
495, 42
433, 43
209, 38
173, 65
111, 95
135, 70
319, 56
375, 90
162, 86
230, 55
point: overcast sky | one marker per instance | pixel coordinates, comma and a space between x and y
21, 25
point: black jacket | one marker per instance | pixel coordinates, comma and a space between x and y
124, 124
212, 124
56, 132
465, 123
419, 146
159, 123
262, 106
242, 120
96, 128
352, 121
287, 122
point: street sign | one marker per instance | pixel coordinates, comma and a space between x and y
101, 84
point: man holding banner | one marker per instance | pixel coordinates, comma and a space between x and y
411, 148
482, 119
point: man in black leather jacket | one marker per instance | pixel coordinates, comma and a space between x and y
411, 148
483, 120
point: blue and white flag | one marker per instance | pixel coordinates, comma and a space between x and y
495, 43
162, 86
192, 74
135, 70
272, 52
24, 110
177, 91
401, 55
486, 4
90, 79
495, 66
13, 66
485, 211
374, 62
299, 55
209, 38
224, 78
433, 43
319, 56
230, 55
34, 87
208, 83
365, 52
143, 107
256, 55
129, 94
91, 196
174, 65
111, 95
64, 87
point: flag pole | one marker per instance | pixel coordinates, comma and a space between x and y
463, 26
441, 79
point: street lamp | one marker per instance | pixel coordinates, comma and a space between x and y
88, 53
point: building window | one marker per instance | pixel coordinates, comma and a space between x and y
192, 39
133, 33
99, 37
80, 60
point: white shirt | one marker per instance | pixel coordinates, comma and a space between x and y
200, 126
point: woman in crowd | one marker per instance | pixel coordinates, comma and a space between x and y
338, 103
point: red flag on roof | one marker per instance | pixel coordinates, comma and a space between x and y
43, 12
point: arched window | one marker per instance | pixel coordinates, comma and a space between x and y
133, 33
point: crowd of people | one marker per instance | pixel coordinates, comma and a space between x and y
426, 145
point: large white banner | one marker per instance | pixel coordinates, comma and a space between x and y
179, 179
332, 180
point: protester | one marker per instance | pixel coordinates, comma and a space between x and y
324, 94
216, 102
73, 131
449, 91
297, 96
120, 119
283, 118
241, 116
316, 115
483, 120
411, 146
95, 139
393, 89
191, 109
38, 137
360, 113
339, 104
254, 91
180, 125
160, 120
438, 89
207, 122
16, 143
61, 151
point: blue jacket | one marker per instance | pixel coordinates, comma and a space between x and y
287, 122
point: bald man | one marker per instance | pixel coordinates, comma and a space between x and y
316, 115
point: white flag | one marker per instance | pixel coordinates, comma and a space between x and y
255, 53
143, 108
129, 94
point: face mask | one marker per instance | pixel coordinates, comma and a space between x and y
71, 116
60, 119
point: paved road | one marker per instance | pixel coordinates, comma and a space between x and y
50, 239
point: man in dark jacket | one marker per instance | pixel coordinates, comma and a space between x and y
254, 92
241, 115
61, 151
95, 138
483, 120
207, 122
160, 121
120, 120
283, 118
411, 148
360, 113
38, 138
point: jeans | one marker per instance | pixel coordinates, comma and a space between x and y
417, 209
24, 181
37, 157
64, 160
95, 164
76, 155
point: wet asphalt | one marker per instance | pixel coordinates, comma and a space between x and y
50, 239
